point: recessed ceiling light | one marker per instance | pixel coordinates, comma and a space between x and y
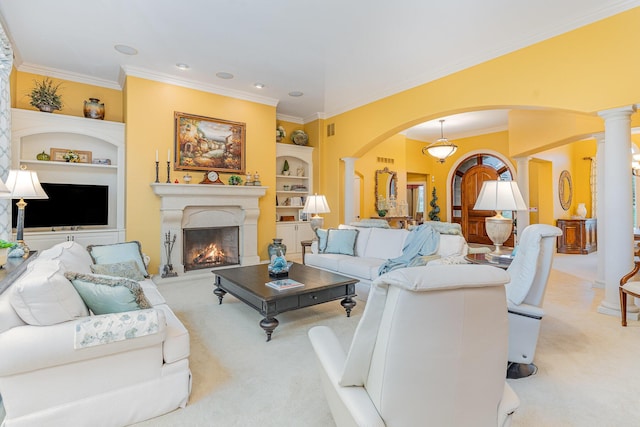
296, 93
259, 85
127, 50
182, 66
224, 75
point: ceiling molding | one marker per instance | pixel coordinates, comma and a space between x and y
287, 118
204, 87
315, 116
67, 75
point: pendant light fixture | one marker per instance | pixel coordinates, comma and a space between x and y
442, 148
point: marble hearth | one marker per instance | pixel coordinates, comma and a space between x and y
199, 205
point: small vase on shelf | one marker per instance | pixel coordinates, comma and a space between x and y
581, 210
94, 109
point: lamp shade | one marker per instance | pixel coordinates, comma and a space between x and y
316, 204
24, 184
500, 196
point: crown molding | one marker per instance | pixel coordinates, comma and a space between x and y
204, 87
292, 119
67, 75
315, 116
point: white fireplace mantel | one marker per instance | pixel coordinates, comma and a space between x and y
176, 198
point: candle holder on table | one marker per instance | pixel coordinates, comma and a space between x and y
157, 171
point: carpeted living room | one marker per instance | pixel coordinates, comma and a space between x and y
284, 214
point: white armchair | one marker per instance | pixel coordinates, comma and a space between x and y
430, 349
529, 273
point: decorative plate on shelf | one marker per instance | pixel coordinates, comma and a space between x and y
299, 137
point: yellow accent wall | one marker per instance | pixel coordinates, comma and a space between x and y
150, 127
73, 96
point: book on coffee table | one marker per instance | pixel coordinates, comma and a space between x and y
283, 284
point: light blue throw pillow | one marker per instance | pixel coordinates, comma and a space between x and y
322, 239
341, 241
118, 252
104, 294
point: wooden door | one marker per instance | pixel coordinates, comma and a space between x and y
472, 220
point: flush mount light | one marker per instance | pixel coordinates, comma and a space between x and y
223, 75
295, 93
258, 85
182, 66
127, 50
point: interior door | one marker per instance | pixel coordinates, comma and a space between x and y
472, 220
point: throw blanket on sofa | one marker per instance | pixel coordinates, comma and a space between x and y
422, 240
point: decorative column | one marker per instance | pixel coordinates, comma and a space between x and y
523, 183
349, 176
617, 202
6, 61
599, 212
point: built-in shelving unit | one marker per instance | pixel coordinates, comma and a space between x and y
291, 193
33, 132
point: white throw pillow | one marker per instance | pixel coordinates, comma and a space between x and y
43, 296
451, 245
385, 243
72, 255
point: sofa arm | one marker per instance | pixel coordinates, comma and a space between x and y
314, 247
28, 348
525, 310
350, 406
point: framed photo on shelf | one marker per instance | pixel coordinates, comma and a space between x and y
72, 156
208, 144
302, 216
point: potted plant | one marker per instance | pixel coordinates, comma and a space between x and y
44, 95
235, 180
285, 168
4, 251
280, 133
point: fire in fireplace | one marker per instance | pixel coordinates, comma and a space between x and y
210, 247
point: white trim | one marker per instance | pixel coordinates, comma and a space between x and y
457, 163
67, 75
204, 87
292, 119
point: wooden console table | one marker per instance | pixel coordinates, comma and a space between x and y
402, 221
579, 236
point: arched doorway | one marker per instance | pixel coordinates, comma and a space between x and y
466, 184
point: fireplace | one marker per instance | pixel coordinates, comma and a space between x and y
210, 247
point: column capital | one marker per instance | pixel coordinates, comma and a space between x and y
617, 112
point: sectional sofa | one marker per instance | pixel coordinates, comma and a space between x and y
63, 364
374, 245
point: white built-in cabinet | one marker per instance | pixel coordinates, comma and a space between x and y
33, 132
291, 193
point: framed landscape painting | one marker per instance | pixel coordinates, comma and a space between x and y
207, 144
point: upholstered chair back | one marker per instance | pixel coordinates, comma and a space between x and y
431, 347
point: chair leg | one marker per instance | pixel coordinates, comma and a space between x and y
623, 306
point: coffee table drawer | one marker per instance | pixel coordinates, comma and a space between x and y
319, 297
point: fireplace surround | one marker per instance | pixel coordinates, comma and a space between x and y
190, 206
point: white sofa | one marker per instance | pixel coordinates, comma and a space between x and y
52, 374
374, 246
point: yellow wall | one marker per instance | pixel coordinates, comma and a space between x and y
150, 127
73, 95
541, 192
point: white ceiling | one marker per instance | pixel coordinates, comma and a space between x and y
340, 54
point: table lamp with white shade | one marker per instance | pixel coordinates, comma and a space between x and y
499, 196
23, 184
315, 205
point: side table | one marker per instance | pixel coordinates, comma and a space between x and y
305, 244
479, 258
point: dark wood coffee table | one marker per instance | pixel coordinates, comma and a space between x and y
248, 285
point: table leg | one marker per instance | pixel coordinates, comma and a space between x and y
269, 324
220, 293
348, 303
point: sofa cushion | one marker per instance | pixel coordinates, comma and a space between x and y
341, 241
362, 267
321, 233
363, 237
106, 294
72, 255
176, 345
8, 316
324, 261
43, 296
128, 269
451, 245
118, 252
385, 243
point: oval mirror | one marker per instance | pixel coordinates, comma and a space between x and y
386, 182
565, 190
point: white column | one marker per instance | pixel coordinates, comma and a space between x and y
600, 213
618, 240
6, 61
349, 175
523, 183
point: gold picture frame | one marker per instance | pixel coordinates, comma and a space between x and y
58, 155
208, 144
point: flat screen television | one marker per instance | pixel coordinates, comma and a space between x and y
67, 205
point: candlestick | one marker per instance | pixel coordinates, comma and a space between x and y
168, 155
157, 169
168, 171
156, 155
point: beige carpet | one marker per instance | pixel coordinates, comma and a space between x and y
587, 362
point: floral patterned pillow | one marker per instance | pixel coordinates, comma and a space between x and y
128, 269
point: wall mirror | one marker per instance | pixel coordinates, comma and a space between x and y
386, 182
565, 189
